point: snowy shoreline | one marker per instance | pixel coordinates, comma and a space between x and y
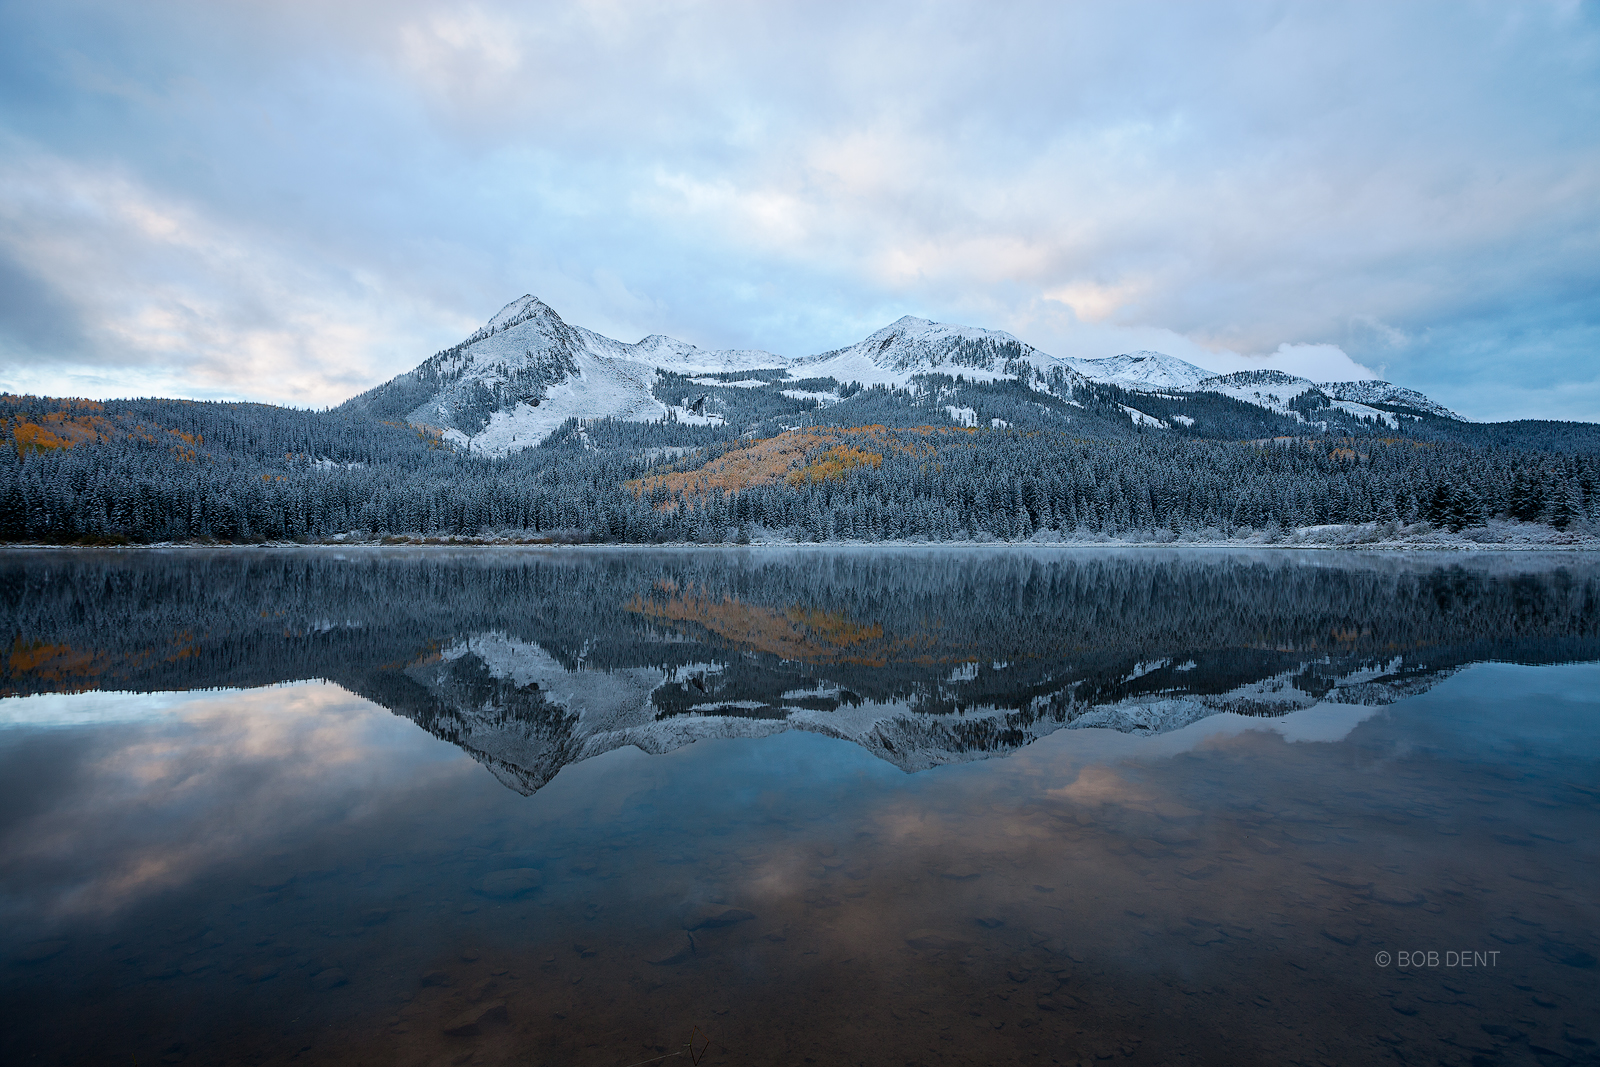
1497, 537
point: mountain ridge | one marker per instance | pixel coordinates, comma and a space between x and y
526, 373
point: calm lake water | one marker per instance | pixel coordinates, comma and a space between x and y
834, 806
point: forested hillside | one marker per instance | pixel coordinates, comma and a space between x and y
944, 459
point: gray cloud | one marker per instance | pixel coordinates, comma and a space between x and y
33, 316
1415, 184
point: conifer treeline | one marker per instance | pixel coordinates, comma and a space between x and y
254, 473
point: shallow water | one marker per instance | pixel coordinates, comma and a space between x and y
840, 806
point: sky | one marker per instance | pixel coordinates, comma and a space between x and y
294, 201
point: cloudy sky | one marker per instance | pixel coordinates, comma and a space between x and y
292, 201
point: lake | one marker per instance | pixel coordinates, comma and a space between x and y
786, 806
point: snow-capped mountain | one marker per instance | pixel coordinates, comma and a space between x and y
521, 376
518, 378
1377, 392
1302, 398
1155, 372
911, 346
1143, 370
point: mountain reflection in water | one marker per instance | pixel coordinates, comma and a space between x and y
199, 865
531, 661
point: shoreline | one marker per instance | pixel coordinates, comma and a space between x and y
1462, 547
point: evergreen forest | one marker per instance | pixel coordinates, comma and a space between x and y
945, 460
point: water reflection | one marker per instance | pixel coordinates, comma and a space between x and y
166, 793
294, 874
531, 661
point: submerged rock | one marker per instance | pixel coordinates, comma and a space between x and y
474, 1019
672, 950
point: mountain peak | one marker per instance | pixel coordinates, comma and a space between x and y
661, 343
910, 346
913, 330
523, 309
1143, 369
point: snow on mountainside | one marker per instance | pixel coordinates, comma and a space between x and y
1279, 392
912, 346
1142, 370
1272, 389
1376, 392
669, 353
517, 379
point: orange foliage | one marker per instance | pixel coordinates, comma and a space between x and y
762, 463
834, 627
789, 459
800, 634
186, 646
64, 429
34, 438
58, 429
832, 464
432, 436
55, 663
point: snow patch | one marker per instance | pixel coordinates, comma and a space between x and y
1364, 412
962, 416
1141, 419
689, 418
801, 394
964, 673
743, 383
1141, 669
